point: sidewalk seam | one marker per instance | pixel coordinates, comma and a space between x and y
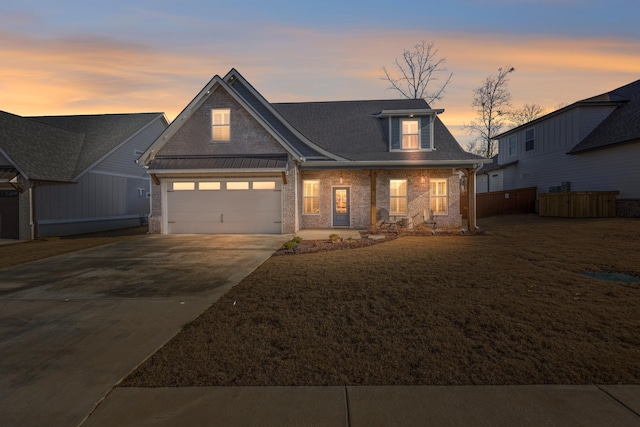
346, 400
617, 400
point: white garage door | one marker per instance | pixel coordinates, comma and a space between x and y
219, 206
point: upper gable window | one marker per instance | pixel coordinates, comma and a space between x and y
529, 139
513, 145
220, 124
410, 139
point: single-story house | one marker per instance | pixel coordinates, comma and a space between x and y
63, 175
590, 145
231, 162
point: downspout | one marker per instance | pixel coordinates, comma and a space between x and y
471, 178
32, 208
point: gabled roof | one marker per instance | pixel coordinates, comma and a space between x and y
39, 151
353, 129
622, 125
61, 148
341, 131
234, 84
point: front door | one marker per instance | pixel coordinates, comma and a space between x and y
341, 211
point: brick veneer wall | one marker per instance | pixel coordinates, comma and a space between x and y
629, 208
359, 182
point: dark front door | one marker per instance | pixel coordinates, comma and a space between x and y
341, 211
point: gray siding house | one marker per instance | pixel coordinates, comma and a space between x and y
590, 145
232, 162
63, 175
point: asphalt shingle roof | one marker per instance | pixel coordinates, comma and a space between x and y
59, 148
103, 132
41, 151
350, 130
622, 125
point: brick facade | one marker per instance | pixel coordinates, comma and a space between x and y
629, 208
359, 183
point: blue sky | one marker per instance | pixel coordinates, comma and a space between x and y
74, 57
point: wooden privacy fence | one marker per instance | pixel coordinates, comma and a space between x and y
519, 201
578, 204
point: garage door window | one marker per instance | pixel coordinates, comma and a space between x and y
184, 186
209, 186
264, 185
240, 185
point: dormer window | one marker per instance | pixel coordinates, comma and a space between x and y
410, 134
409, 130
220, 125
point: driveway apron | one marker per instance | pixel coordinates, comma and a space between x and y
72, 326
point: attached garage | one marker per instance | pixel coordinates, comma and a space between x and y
224, 206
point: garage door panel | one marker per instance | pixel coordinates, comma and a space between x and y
224, 211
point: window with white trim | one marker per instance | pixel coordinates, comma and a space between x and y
513, 145
438, 196
529, 139
221, 124
398, 197
311, 197
410, 137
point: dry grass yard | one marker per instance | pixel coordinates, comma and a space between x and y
508, 307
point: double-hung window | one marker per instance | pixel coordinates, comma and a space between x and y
529, 139
438, 193
220, 124
410, 137
311, 197
513, 145
398, 197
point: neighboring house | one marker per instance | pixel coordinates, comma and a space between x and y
62, 175
232, 162
590, 145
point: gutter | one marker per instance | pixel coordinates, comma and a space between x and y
392, 164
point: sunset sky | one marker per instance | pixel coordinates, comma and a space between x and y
113, 56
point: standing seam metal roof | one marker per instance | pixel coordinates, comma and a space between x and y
218, 162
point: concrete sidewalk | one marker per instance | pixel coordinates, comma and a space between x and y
371, 406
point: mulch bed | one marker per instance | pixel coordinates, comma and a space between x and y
387, 234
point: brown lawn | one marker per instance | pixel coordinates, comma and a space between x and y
20, 252
507, 307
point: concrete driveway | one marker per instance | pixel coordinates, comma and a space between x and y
74, 325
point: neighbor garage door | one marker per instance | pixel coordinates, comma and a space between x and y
224, 206
9, 215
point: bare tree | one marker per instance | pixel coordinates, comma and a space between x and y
417, 70
491, 102
526, 114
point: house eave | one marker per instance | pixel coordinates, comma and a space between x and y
393, 164
404, 113
225, 171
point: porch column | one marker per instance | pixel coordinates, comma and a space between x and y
471, 185
373, 174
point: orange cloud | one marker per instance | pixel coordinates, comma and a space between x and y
89, 74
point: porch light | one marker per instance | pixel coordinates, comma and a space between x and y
422, 180
340, 177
